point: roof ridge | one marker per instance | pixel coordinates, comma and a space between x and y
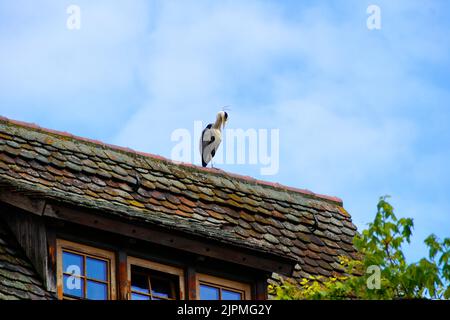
133, 152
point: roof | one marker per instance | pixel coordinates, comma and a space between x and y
18, 280
211, 203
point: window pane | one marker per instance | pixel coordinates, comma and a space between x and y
139, 282
161, 287
136, 296
73, 286
97, 291
96, 269
208, 293
231, 295
72, 263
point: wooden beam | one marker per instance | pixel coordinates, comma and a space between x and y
170, 238
261, 289
51, 261
18, 200
191, 284
122, 276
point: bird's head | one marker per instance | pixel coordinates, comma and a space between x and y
222, 116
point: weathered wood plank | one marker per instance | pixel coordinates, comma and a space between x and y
30, 232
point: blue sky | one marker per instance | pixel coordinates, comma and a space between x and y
361, 113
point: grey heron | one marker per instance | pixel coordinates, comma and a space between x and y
211, 138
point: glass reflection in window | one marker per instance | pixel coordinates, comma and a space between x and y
213, 292
85, 277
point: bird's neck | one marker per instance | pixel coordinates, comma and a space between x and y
218, 124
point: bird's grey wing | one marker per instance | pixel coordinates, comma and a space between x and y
205, 141
205, 138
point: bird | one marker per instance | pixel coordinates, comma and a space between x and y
211, 138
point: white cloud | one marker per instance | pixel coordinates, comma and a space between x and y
42, 58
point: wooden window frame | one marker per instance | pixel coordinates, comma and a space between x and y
151, 265
81, 249
236, 286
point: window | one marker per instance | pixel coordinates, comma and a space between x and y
84, 272
154, 281
213, 288
88, 273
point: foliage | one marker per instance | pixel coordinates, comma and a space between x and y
382, 271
